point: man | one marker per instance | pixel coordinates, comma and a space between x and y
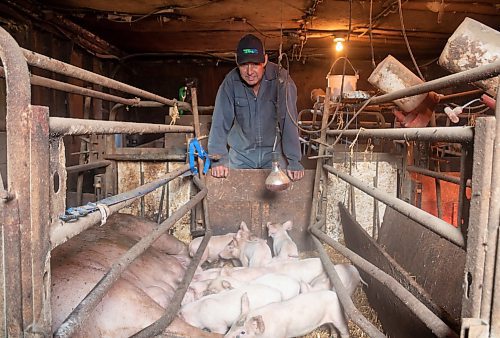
245, 115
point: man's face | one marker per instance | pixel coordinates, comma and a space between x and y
252, 73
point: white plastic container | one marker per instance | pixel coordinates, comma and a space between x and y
335, 83
473, 44
391, 75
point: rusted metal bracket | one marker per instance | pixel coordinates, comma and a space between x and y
5, 195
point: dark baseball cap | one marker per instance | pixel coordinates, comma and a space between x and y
250, 50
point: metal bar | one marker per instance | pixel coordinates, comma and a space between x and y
160, 207
60, 232
437, 175
439, 208
471, 75
147, 157
175, 303
85, 150
477, 232
350, 309
66, 126
87, 166
492, 275
74, 321
463, 201
319, 173
44, 62
70, 88
17, 211
433, 322
445, 134
197, 134
462, 94
427, 220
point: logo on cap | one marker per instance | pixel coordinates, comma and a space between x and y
250, 51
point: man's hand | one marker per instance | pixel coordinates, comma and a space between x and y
295, 175
220, 171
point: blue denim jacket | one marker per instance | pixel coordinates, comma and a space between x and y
247, 123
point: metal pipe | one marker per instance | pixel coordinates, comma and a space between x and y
350, 309
87, 166
44, 62
445, 134
66, 126
436, 174
467, 76
175, 303
427, 220
60, 232
459, 95
69, 88
489, 305
16, 212
75, 320
320, 172
433, 322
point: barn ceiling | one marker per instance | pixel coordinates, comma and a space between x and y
305, 28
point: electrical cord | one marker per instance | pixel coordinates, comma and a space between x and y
374, 65
403, 30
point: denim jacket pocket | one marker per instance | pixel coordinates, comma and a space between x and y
242, 112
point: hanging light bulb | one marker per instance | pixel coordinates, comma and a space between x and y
339, 44
277, 180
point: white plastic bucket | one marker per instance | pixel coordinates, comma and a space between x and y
335, 83
391, 75
472, 45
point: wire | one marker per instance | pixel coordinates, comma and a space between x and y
403, 30
374, 65
259, 31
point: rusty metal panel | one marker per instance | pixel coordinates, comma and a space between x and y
132, 174
437, 264
396, 318
153, 171
40, 222
58, 178
242, 196
479, 204
363, 167
178, 193
129, 177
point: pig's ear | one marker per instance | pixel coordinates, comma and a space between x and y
237, 236
224, 272
245, 304
244, 227
226, 284
288, 225
258, 324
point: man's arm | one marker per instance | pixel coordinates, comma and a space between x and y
290, 133
222, 121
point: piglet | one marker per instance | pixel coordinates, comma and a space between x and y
217, 243
348, 274
283, 245
218, 312
292, 318
287, 286
251, 253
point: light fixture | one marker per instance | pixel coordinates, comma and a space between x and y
277, 180
339, 44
